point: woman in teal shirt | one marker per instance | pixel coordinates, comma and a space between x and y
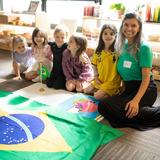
133, 106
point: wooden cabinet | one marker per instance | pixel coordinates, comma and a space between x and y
91, 28
13, 24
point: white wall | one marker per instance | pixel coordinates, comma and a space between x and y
58, 10
17, 5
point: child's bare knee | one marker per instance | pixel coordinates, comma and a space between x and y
70, 86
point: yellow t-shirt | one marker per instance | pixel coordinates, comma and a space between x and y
107, 72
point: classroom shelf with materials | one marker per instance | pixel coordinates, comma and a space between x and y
12, 24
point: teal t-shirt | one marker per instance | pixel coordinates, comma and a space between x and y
130, 66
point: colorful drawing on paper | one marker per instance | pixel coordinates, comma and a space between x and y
81, 104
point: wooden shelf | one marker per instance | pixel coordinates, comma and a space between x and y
15, 24
5, 46
116, 20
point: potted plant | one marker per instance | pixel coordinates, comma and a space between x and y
139, 9
120, 8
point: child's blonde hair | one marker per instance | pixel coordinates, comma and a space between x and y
61, 28
18, 39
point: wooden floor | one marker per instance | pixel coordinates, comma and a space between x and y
133, 145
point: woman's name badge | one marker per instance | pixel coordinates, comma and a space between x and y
127, 64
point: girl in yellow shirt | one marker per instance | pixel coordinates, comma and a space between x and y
106, 81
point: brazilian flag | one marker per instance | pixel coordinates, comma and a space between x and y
44, 72
34, 131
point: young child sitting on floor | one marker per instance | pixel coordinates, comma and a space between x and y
22, 58
76, 64
57, 78
42, 54
107, 80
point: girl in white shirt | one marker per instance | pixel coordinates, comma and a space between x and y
22, 59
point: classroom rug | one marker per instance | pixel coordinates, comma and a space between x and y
31, 130
7, 85
2, 80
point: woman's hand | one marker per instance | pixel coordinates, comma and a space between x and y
132, 108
